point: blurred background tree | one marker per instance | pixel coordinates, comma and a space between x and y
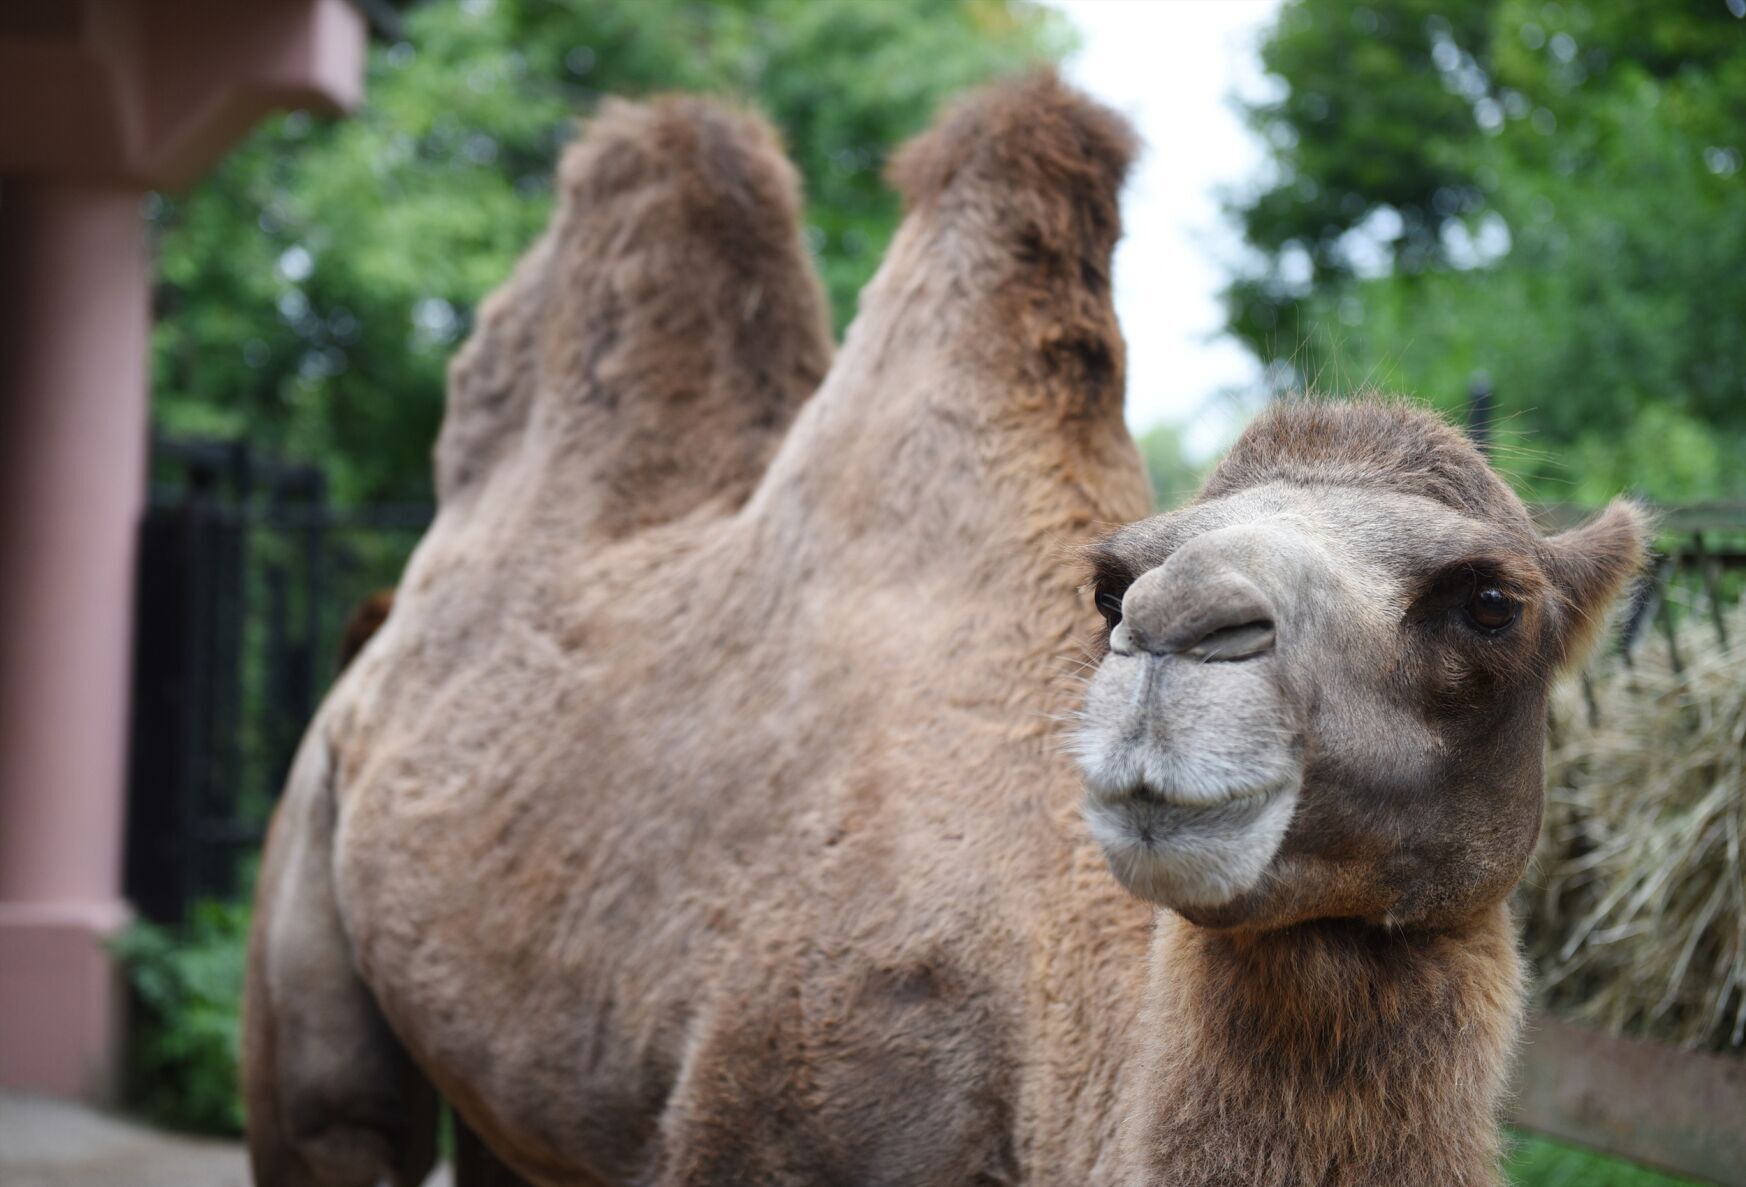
312, 289
1546, 195
1175, 474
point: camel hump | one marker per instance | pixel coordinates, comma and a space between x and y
975, 408
721, 162
1036, 164
652, 348
1003, 261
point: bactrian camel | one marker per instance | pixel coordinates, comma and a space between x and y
717, 804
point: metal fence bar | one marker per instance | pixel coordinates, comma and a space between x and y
247, 573
1708, 571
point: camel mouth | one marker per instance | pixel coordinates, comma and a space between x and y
1191, 851
1196, 801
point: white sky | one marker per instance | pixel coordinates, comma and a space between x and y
1173, 67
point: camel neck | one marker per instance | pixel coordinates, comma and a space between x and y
1330, 1053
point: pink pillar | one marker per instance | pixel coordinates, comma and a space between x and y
100, 100
74, 314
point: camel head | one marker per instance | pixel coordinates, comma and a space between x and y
1323, 692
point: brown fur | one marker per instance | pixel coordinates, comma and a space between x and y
711, 825
1334, 1054
1376, 444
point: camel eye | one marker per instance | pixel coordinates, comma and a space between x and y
1109, 604
1491, 610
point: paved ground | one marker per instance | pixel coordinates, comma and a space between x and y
45, 1143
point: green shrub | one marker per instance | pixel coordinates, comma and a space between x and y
186, 1037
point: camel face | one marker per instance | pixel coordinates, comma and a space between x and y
1325, 680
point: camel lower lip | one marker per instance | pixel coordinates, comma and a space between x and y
1158, 824
1163, 797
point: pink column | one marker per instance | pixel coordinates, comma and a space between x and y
74, 313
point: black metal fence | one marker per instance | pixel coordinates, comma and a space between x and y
1700, 569
247, 573
1699, 564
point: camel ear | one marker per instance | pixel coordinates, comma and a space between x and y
1590, 566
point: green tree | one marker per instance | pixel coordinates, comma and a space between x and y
312, 288
1175, 476
1556, 201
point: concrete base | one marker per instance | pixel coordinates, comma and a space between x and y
61, 999
46, 1143
49, 1143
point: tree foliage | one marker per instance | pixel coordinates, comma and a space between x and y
1546, 194
1175, 475
313, 287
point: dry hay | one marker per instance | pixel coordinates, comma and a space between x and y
1637, 905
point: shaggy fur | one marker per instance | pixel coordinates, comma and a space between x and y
1334, 1054
697, 820
1375, 445
673, 269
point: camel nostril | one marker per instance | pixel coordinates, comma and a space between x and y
1245, 640
1200, 610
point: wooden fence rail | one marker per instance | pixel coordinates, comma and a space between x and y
1683, 1112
